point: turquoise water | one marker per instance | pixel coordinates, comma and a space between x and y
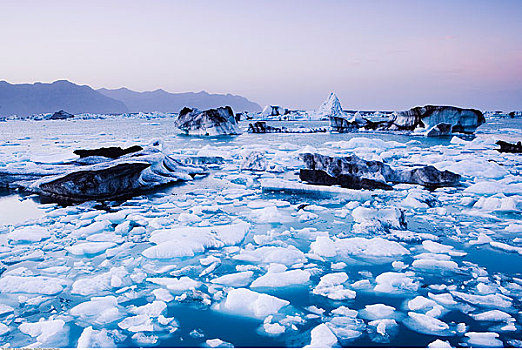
55, 141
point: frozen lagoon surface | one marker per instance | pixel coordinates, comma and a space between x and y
218, 262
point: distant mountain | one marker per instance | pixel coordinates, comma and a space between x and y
28, 99
163, 101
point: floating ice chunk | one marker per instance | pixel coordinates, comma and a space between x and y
331, 286
392, 282
32, 285
218, 343
421, 303
93, 228
239, 279
5, 309
271, 215
100, 310
176, 285
365, 142
323, 246
154, 309
426, 324
487, 339
435, 265
28, 234
139, 323
91, 338
276, 185
500, 203
345, 328
3, 329
115, 218
187, 241
435, 247
90, 248
439, 344
44, 331
209, 260
493, 300
492, 315
282, 279
322, 337
345, 311
494, 187
287, 256
506, 247
274, 328
245, 302
377, 311
359, 246
99, 283
162, 294
147, 340
384, 329
444, 298
382, 218
514, 228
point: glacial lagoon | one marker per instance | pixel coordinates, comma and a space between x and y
219, 262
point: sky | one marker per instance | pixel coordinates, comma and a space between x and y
384, 55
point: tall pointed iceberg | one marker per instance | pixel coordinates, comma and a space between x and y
330, 108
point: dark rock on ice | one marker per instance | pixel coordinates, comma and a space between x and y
109, 152
212, 122
509, 147
61, 115
354, 172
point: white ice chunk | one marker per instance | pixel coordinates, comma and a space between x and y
100, 310
176, 285
392, 282
43, 330
245, 302
28, 234
239, 279
32, 285
377, 311
90, 248
322, 337
91, 338
282, 279
426, 324
486, 339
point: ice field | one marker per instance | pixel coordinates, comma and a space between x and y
234, 259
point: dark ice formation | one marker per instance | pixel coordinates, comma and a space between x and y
103, 177
109, 152
433, 120
263, 128
509, 147
61, 115
212, 122
357, 173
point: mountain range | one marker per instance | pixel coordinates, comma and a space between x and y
29, 99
